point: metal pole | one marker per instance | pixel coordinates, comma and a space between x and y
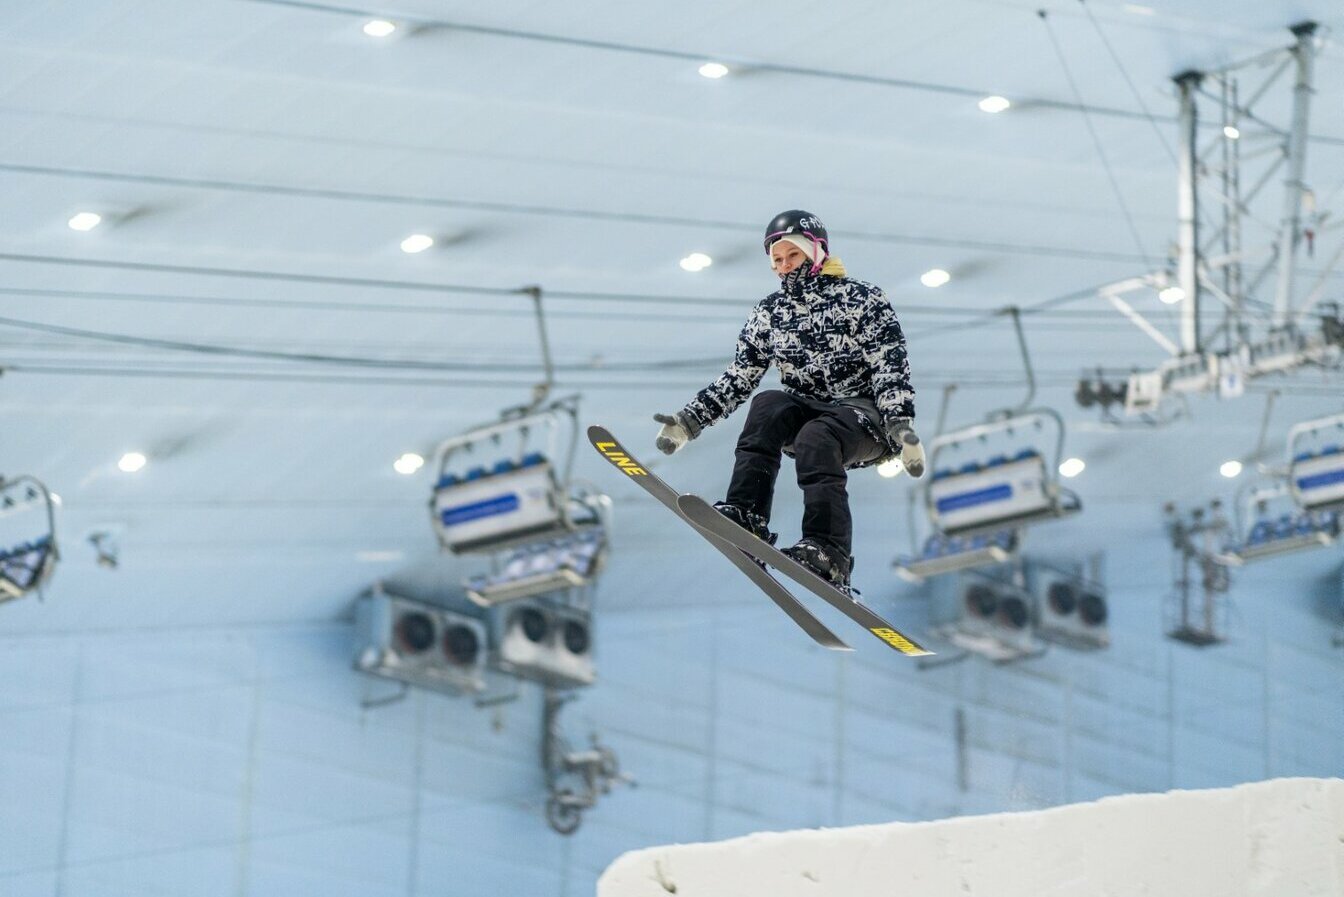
1232, 212
1187, 213
1296, 152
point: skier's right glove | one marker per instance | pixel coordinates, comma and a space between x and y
912, 452
674, 433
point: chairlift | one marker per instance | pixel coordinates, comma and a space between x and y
507, 483
1014, 486
28, 552
1269, 522
1316, 464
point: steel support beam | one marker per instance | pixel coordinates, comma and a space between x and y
1187, 211
1296, 151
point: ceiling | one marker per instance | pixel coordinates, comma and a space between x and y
245, 317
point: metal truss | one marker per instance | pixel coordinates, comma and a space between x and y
1233, 254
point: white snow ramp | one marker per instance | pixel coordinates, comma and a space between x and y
1281, 838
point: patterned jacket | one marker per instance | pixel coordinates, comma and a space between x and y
832, 338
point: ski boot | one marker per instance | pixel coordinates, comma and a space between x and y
830, 564
749, 520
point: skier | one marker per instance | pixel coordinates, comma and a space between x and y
847, 400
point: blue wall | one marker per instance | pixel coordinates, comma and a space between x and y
240, 762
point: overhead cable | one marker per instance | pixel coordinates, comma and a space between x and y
1096, 139
1138, 97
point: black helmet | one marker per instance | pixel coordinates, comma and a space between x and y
796, 221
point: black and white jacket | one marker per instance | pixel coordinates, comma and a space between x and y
832, 338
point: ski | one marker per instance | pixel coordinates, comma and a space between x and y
703, 515
610, 448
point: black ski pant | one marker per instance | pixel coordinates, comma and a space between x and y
825, 439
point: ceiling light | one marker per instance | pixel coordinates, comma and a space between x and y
1072, 467
696, 261
934, 278
994, 105
408, 463
132, 461
713, 70
1231, 133
1171, 295
1230, 469
85, 221
379, 28
1138, 10
890, 468
417, 243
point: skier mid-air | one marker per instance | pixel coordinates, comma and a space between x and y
847, 400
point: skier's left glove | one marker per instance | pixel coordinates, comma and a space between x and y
903, 435
674, 434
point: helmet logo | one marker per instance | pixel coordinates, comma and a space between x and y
809, 223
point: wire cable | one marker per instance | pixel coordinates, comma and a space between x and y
666, 53
1133, 88
555, 211
1096, 138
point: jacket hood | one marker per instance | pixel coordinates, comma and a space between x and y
833, 267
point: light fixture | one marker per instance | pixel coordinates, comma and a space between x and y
408, 463
417, 243
85, 221
379, 28
132, 461
1231, 132
994, 105
1230, 469
1072, 467
713, 70
890, 468
1171, 295
934, 278
696, 261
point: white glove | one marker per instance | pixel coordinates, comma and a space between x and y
912, 452
673, 435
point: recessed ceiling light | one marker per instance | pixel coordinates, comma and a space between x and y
994, 105
417, 243
1171, 295
1138, 10
696, 261
85, 221
713, 70
1231, 133
1230, 469
890, 468
408, 463
379, 28
132, 461
934, 278
1072, 467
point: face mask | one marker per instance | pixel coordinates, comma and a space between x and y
795, 280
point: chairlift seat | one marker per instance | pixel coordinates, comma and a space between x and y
490, 511
984, 499
1317, 481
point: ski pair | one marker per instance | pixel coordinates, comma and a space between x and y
747, 553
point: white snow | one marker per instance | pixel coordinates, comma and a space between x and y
1280, 838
